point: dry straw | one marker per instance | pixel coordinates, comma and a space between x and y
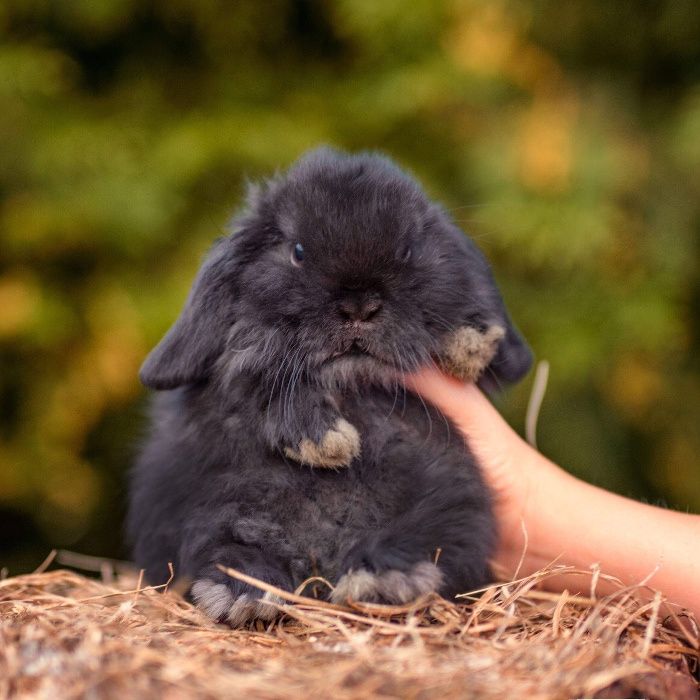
63, 635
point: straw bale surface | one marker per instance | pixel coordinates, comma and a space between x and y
63, 635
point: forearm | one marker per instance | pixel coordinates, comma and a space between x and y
585, 525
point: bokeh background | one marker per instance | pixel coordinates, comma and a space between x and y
565, 137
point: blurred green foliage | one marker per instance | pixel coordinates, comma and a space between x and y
564, 136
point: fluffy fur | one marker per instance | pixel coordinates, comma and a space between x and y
282, 442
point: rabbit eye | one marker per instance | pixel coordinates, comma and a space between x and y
297, 254
406, 254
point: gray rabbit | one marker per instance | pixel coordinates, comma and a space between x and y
282, 442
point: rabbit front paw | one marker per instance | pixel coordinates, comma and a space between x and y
391, 586
218, 602
468, 351
337, 447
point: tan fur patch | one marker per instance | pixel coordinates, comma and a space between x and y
338, 447
468, 352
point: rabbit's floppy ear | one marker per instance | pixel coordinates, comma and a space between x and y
512, 358
198, 337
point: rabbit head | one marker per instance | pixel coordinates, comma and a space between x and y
341, 271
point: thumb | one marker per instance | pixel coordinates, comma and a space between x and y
464, 404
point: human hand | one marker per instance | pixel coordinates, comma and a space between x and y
545, 514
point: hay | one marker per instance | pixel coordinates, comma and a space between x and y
63, 635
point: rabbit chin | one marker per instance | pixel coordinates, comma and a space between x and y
348, 371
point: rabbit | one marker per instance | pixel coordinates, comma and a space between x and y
282, 442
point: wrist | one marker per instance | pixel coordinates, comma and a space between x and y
533, 530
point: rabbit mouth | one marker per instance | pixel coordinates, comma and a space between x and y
355, 350
356, 365
353, 369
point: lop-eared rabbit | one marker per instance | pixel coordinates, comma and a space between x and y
282, 441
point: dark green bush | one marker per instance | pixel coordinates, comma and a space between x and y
564, 136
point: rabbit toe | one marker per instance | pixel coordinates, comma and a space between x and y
218, 602
392, 586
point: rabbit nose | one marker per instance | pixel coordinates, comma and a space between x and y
362, 308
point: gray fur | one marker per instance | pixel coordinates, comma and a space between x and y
277, 366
